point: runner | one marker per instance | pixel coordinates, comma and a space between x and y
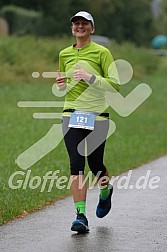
85, 118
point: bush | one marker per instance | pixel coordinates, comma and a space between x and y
21, 21
143, 60
20, 56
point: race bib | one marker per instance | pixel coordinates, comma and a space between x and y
82, 119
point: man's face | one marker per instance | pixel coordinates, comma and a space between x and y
82, 28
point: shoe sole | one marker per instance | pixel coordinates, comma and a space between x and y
80, 228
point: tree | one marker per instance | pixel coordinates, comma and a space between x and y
28, 4
160, 21
122, 20
57, 14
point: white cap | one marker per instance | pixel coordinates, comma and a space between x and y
83, 14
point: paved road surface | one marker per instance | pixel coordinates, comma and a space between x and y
137, 222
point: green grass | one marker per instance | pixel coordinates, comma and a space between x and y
139, 138
19, 57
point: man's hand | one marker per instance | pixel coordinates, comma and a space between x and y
81, 74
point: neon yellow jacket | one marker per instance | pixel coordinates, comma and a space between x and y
97, 60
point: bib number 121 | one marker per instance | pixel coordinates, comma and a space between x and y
82, 119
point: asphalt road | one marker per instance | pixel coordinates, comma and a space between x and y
137, 221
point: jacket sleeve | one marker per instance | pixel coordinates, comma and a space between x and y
110, 79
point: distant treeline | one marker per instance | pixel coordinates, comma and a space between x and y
119, 19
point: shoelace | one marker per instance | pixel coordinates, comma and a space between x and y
79, 215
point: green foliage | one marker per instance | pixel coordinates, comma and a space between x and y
120, 20
143, 60
22, 55
160, 21
57, 14
21, 21
130, 21
28, 4
139, 138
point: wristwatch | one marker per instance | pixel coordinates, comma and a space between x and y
92, 79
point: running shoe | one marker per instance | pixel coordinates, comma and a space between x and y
80, 225
104, 205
